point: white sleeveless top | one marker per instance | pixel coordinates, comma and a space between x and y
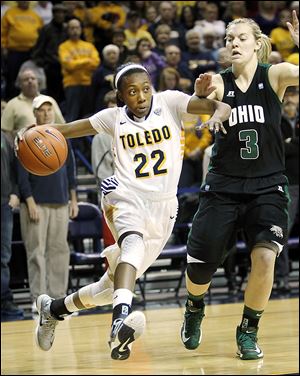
148, 155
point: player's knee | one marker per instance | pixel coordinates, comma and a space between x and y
133, 250
201, 273
264, 255
269, 244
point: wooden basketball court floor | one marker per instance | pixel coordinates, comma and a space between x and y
80, 346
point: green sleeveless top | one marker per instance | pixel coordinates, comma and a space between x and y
253, 146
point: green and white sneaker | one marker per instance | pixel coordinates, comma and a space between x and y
246, 339
191, 333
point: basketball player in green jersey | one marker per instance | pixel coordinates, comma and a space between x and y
245, 186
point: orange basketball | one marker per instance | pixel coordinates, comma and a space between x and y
43, 150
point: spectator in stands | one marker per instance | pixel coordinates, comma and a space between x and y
141, 7
9, 201
196, 141
44, 217
173, 59
18, 111
135, 32
167, 15
293, 58
78, 59
151, 15
44, 10
209, 43
118, 38
234, 9
102, 81
169, 79
106, 16
162, 39
197, 61
275, 58
211, 19
290, 132
280, 36
150, 59
267, 17
223, 58
19, 33
103, 164
78, 9
199, 9
187, 17
45, 52
4, 8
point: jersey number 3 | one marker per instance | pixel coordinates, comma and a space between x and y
158, 155
251, 151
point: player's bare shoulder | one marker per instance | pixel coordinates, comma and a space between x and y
283, 75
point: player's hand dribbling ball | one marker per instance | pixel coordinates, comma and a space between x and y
42, 150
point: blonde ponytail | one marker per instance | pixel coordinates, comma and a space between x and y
265, 50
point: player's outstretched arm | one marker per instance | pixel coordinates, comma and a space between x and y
74, 129
77, 128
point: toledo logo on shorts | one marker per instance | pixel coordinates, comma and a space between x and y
40, 144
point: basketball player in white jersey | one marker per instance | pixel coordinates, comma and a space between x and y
139, 201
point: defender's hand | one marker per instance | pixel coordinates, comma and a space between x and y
213, 124
203, 86
294, 28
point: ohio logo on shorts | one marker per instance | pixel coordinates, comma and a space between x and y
277, 231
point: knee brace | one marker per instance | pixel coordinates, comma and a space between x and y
201, 273
132, 250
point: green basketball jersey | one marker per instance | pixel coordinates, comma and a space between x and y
253, 146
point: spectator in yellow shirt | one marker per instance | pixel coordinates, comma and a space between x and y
105, 17
293, 58
78, 60
196, 141
19, 32
134, 31
280, 36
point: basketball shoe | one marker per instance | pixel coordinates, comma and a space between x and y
191, 333
45, 330
124, 332
246, 339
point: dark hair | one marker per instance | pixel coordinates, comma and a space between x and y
126, 74
139, 42
132, 15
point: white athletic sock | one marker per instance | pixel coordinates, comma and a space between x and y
122, 296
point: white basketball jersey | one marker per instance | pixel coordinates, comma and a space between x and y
148, 154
